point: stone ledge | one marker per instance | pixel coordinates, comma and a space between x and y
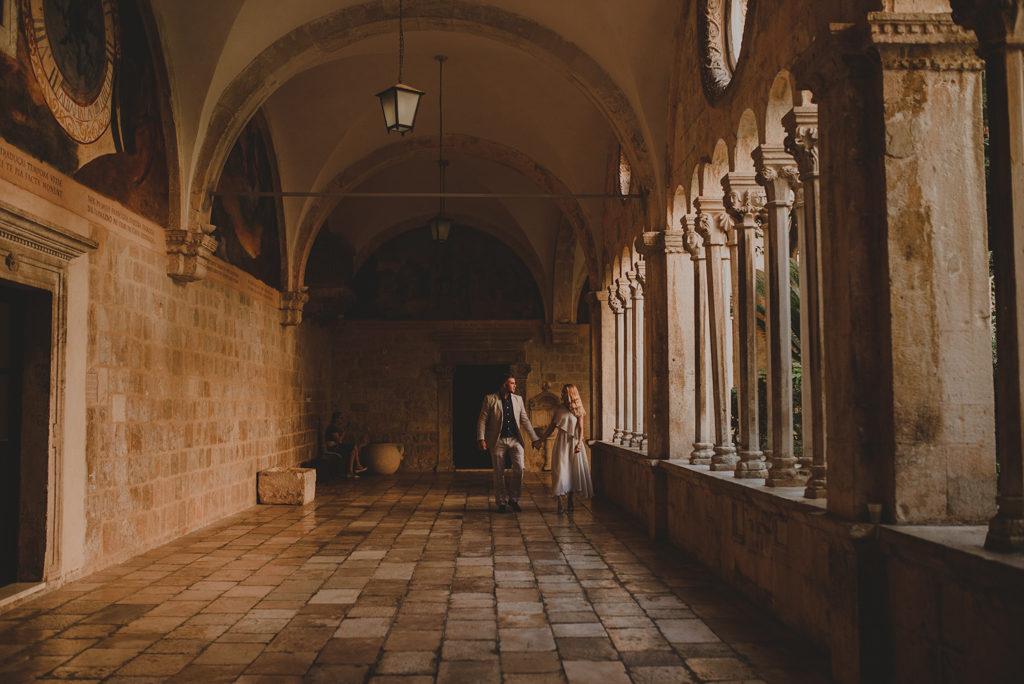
953, 550
627, 452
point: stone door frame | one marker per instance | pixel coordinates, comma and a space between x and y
38, 254
469, 348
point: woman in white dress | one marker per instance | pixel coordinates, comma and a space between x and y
570, 467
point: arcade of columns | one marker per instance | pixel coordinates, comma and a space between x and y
889, 366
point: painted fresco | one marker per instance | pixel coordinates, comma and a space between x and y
248, 227
128, 160
137, 175
472, 276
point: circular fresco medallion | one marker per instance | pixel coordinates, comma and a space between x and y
73, 49
721, 24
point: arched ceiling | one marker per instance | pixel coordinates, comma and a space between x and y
544, 91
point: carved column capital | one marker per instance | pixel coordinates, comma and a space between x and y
801, 124
291, 306
925, 41
743, 196
691, 238
662, 242
635, 280
614, 302
625, 296
188, 252
776, 173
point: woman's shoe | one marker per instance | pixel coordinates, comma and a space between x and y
360, 469
352, 476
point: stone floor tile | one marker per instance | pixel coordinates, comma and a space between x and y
455, 649
716, 669
686, 631
468, 672
579, 629
526, 639
229, 654
350, 651
155, 665
586, 648
280, 663
587, 672
413, 640
659, 674
638, 640
208, 674
407, 662
336, 674
535, 678
398, 579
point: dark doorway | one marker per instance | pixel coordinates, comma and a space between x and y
24, 431
469, 386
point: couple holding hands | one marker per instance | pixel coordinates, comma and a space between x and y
498, 429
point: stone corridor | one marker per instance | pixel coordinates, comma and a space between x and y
406, 579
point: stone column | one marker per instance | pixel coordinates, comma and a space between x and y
711, 226
1000, 29
668, 290
801, 125
905, 270
602, 348
636, 289
626, 354
703, 448
775, 171
744, 199
620, 342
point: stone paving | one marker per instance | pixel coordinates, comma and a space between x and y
406, 579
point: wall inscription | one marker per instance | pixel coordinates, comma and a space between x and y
30, 174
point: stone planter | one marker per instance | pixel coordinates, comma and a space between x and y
382, 458
286, 485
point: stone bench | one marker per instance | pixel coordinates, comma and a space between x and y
286, 485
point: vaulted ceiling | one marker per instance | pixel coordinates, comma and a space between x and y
538, 97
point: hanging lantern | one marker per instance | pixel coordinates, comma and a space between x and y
400, 101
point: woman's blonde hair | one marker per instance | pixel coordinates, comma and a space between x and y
573, 400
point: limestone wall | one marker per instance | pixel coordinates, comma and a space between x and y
191, 389
392, 380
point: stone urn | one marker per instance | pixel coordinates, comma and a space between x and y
382, 458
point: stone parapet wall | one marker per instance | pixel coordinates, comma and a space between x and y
899, 603
386, 377
630, 480
190, 391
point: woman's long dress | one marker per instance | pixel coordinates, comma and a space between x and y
570, 469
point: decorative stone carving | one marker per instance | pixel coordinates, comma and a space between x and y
715, 72
921, 41
614, 300
801, 124
12, 263
291, 306
691, 239
188, 252
745, 202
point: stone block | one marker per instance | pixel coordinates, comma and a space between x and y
286, 485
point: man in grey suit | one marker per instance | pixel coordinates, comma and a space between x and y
498, 427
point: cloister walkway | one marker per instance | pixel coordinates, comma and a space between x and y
405, 579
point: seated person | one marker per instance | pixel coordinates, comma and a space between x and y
334, 444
